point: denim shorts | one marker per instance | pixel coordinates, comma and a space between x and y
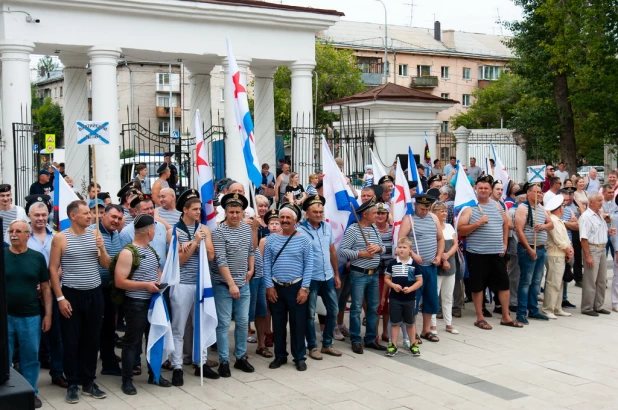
257, 305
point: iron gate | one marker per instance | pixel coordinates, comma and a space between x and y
479, 147
27, 159
446, 147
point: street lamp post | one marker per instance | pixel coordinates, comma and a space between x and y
385, 44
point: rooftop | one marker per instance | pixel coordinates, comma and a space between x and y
390, 92
355, 34
267, 5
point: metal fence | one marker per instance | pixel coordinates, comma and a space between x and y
479, 147
27, 159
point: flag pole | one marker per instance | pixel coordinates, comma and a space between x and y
534, 220
96, 206
413, 234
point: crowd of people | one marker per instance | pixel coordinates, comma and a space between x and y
70, 292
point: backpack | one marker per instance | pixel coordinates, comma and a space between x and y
116, 294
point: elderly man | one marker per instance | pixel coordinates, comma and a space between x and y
288, 289
167, 210
592, 183
38, 207
75, 256
325, 276
231, 273
138, 291
486, 228
26, 271
532, 223
8, 211
164, 172
423, 229
593, 234
559, 252
42, 186
362, 246
190, 233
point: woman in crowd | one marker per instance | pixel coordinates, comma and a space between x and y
497, 189
446, 270
385, 231
294, 191
581, 196
313, 182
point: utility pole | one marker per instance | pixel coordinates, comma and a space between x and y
385, 44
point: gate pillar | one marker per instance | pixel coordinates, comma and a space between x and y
16, 101
462, 134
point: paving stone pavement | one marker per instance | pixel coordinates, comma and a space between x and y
568, 363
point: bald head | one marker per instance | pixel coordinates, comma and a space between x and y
237, 188
167, 198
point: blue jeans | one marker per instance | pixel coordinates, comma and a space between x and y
257, 306
326, 290
226, 308
25, 332
529, 281
363, 286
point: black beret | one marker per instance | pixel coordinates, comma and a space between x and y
162, 168
424, 199
32, 199
485, 178
412, 184
434, 192
235, 200
366, 205
294, 208
385, 178
314, 199
131, 186
184, 197
272, 214
434, 178
140, 197
142, 221
5, 188
103, 196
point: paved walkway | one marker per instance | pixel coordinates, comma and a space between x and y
569, 363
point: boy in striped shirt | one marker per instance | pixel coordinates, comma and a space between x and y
403, 279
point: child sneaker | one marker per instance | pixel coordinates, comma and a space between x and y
391, 350
415, 350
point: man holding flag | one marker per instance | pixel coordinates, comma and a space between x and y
234, 257
182, 296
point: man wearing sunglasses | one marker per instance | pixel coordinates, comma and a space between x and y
549, 174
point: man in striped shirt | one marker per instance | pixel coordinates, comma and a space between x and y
167, 211
234, 257
288, 267
8, 211
325, 276
362, 246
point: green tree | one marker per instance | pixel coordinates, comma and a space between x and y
338, 76
49, 118
47, 64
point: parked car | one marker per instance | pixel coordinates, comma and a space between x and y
585, 169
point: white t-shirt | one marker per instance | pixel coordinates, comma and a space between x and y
448, 231
564, 175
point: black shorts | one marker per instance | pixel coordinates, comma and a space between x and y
486, 271
401, 311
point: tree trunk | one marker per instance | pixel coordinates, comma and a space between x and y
568, 147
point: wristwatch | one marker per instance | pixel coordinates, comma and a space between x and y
306, 289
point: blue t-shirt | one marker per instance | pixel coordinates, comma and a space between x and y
404, 275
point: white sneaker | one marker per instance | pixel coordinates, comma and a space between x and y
337, 334
406, 344
562, 313
550, 315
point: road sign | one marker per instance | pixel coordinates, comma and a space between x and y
93, 132
50, 143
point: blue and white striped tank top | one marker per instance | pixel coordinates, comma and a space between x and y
188, 270
539, 219
80, 262
146, 272
486, 239
425, 231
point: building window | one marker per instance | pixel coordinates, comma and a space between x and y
163, 101
163, 78
222, 94
444, 72
444, 126
465, 100
61, 93
403, 70
446, 96
489, 72
467, 73
423, 70
164, 127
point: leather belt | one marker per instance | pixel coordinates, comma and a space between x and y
361, 270
601, 245
287, 284
540, 247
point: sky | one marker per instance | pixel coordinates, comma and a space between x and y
477, 16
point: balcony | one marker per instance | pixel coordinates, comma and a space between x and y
429, 81
484, 83
165, 112
372, 73
166, 87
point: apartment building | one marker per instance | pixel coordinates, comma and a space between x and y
445, 63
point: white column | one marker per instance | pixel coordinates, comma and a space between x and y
302, 93
265, 116
462, 134
16, 105
234, 161
75, 109
200, 100
103, 61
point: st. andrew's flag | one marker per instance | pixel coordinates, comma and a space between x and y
204, 312
63, 196
413, 171
204, 176
402, 203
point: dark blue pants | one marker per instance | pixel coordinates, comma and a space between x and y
51, 343
108, 330
136, 316
286, 307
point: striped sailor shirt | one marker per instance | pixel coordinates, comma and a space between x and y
233, 247
295, 261
188, 270
424, 237
171, 216
487, 239
353, 242
80, 261
147, 271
